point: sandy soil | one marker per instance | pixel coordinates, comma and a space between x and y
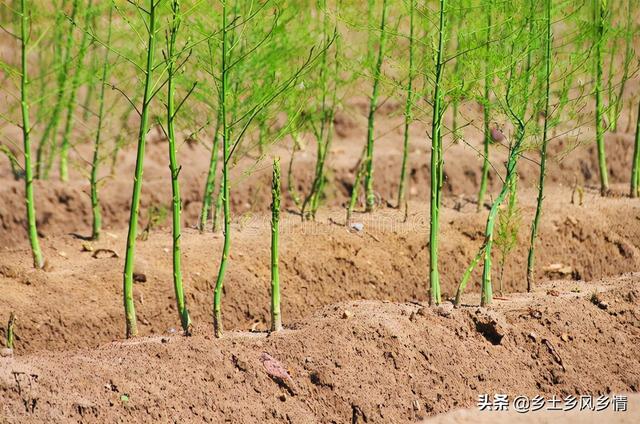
358, 361
64, 208
359, 344
473, 416
76, 301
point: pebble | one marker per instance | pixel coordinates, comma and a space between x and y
358, 226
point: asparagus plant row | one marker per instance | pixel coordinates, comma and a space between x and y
255, 95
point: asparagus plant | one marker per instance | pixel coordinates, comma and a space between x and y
172, 67
96, 210
545, 142
487, 288
11, 328
225, 192
437, 161
408, 108
129, 307
520, 79
373, 106
486, 107
323, 132
601, 15
230, 92
276, 317
516, 97
242, 121
25, 25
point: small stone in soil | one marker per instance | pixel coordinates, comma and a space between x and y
358, 226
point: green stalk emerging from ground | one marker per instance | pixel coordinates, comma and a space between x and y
95, 162
373, 106
437, 162
487, 289
543, 149
408, 115
176, 203
276, 317
38, 260
486, 109
11, 327
226, 146
129, 306
514, 154
600, 18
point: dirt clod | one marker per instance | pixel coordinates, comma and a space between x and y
445, 309
139, 277
491, 325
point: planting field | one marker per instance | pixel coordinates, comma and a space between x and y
336, 211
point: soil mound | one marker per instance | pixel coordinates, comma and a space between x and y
77, 300
364, 361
